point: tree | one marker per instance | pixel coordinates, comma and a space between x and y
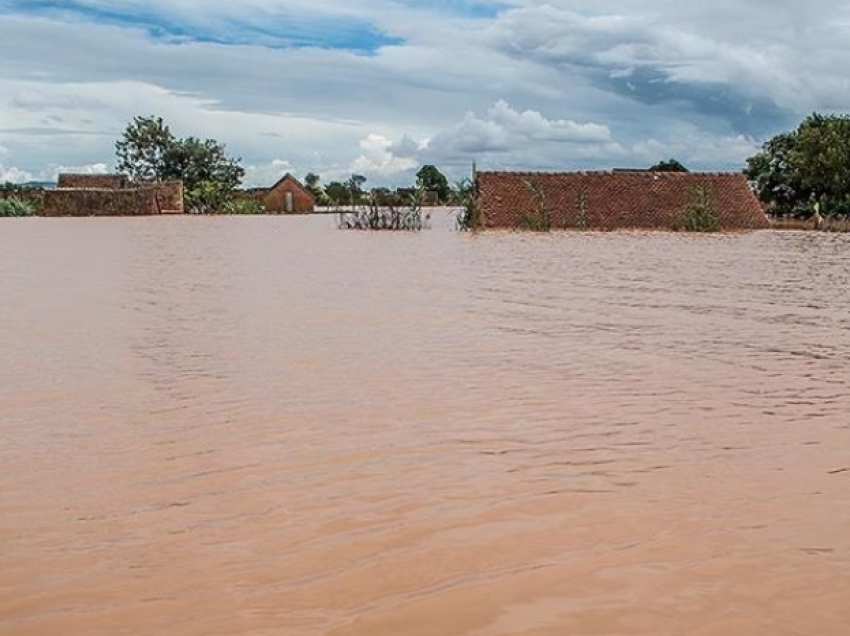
355, 188
142, 147
797, 172
430, 178
148, 151
338, 192
671, 165
775, 180
312, 183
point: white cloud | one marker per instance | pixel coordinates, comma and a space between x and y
14, 175
377, 158
554, 83
265, 175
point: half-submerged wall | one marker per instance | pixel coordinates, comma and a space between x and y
614, 200
111, 195
144, 200
99, 202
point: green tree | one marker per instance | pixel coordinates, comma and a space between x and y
148, 151
313, 183
774, 177
338, 192
671, 165
142, 148
796, 171
430, 178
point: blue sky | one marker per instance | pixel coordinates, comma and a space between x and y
381, 86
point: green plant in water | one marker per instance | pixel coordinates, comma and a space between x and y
469, 217
243, 206
15, 207
540, 220
699, 215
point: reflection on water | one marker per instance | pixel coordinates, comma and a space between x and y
266, 426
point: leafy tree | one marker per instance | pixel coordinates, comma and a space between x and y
796, 172
148, 151
312, 182
430, 178
338, 192
671, 165
142, 148
776, 181
195, 161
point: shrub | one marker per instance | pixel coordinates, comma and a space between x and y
16, 208
376, 217
243, 206
699, 215
207, 197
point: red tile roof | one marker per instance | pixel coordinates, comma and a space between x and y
615, 200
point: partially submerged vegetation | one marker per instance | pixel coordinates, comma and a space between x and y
376, 217
14, 207
243, 206
699, 215
469, 216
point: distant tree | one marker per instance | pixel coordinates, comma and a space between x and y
430, 178
142, 147
671, 165
312, 182
338, 192
808, 169
355, 187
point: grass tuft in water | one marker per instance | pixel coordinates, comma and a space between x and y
14, 207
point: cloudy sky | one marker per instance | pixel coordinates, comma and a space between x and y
380, 86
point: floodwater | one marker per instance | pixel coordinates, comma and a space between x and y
265, 426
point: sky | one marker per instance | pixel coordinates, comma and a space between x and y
380, 87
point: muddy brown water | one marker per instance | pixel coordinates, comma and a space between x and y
265, 426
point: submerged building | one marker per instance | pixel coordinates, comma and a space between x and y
111, 195
287, 196
622, 199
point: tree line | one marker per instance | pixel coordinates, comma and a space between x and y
801, 173
148, 151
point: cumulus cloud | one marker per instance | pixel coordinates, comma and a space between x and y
377, 158
265, 175
378, 85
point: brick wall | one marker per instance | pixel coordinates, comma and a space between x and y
100, 202
614, 200
96, 181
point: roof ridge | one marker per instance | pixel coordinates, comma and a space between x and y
612, 173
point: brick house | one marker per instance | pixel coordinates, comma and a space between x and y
287, 196
622, 199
